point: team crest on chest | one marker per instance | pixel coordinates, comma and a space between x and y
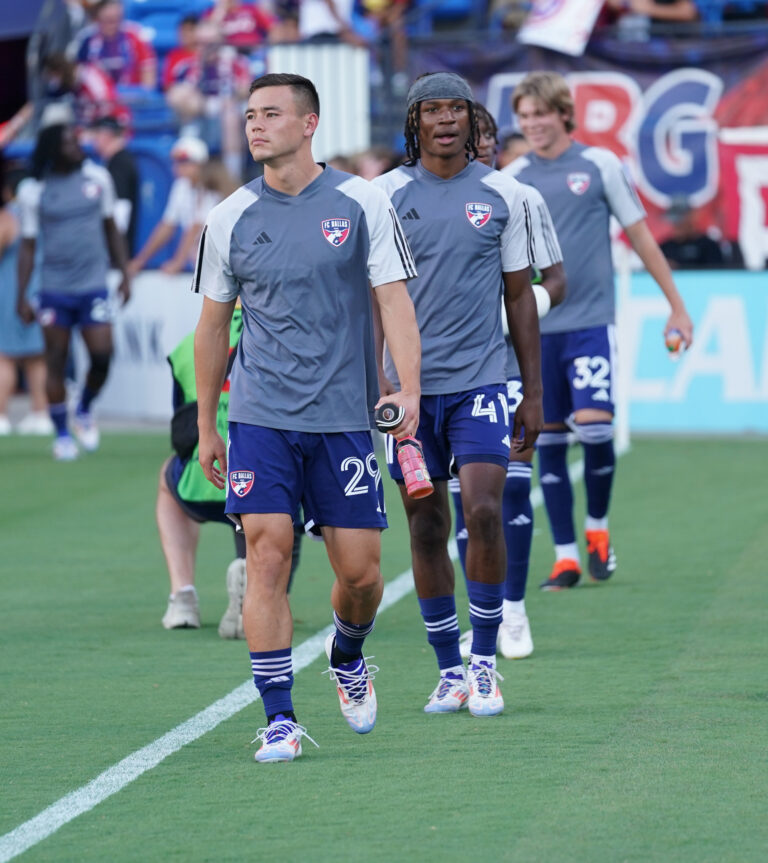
335, 231
578, 182
241, 481
90, 189
478, 214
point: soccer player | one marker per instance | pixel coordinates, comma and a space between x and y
468, 227
514, 638
299, 246
69, 207
583, 186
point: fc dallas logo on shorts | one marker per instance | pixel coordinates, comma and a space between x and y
335, 231
478, 214
241, 481
578, 182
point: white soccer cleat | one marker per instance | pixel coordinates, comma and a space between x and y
65, 449
280, 741
231, 625
485, 697
87, 432
354, 684
183, 611
450, 695
36, 423
514, 640
5, 426
465, 644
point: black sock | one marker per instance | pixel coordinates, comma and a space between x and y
291, 715
338, 657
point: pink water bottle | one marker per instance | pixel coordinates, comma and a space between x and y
411, 458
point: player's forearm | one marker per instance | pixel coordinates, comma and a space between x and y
398, 323
654, 261
26, 264
211, 352
116, 245
157, 239
553, 282
523, 321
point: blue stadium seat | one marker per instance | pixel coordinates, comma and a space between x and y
153, 160
149, 111
161, 30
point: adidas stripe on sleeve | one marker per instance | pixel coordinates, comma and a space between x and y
546, 248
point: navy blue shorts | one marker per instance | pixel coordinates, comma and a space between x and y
471, 426
201, 512
334, 476
74, 310
577, 371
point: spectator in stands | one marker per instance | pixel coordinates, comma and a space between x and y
108, 135
376, 161
656, 10
21, 344
179, 60
243, 25
285, 27
389, 18
348, 164
689, 248
207, 96
188, 205
118, 47
327, 21
512, 145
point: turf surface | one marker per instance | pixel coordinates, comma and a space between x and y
637, 731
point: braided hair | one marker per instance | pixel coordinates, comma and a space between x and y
412, 148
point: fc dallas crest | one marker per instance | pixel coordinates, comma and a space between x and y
335, 231
578, 182
241, 481
478, 214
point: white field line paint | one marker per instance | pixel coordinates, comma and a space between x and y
115, 778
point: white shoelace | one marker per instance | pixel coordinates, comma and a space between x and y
277, 731
354, 683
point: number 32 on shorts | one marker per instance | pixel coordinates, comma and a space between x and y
591, 372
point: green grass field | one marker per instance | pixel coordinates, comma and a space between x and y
636, 732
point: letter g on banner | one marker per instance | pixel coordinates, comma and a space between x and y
677, 137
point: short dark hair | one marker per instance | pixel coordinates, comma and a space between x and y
304, 91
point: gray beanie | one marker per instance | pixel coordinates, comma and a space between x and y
439, 85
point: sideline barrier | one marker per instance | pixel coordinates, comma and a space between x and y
719, 386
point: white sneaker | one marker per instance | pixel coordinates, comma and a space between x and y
281, 741
354, 684
36, 423
514, 640
484, 694
465, 644
86, 431
65, 449
450, 696
5, 426
231, 625
183, 611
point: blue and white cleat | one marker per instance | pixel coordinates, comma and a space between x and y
450, 696
281, 741
485, 697
354, 685
86, 431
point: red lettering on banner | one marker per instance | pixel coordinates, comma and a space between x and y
604, 102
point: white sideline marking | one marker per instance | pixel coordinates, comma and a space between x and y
115, 778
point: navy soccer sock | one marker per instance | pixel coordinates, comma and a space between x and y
518, 528
273, 677
86, 397
442, 625
485, 610
58, 414
348, 644
599, 466
556, 485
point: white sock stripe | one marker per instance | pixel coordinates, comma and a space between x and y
454, 485
272, 667
488, 613
442, 625
548, 438
595, 432
519, 468
352, 631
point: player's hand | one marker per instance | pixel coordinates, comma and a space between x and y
386, 387
410, 402
529, 418
172, 266
124, 290
134, 267
680, 320
25, 310
212, 455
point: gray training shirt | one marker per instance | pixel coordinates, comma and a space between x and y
301, 266
465, 232
582, 187
65, 213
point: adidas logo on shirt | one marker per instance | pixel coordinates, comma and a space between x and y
411, 214
262, 239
